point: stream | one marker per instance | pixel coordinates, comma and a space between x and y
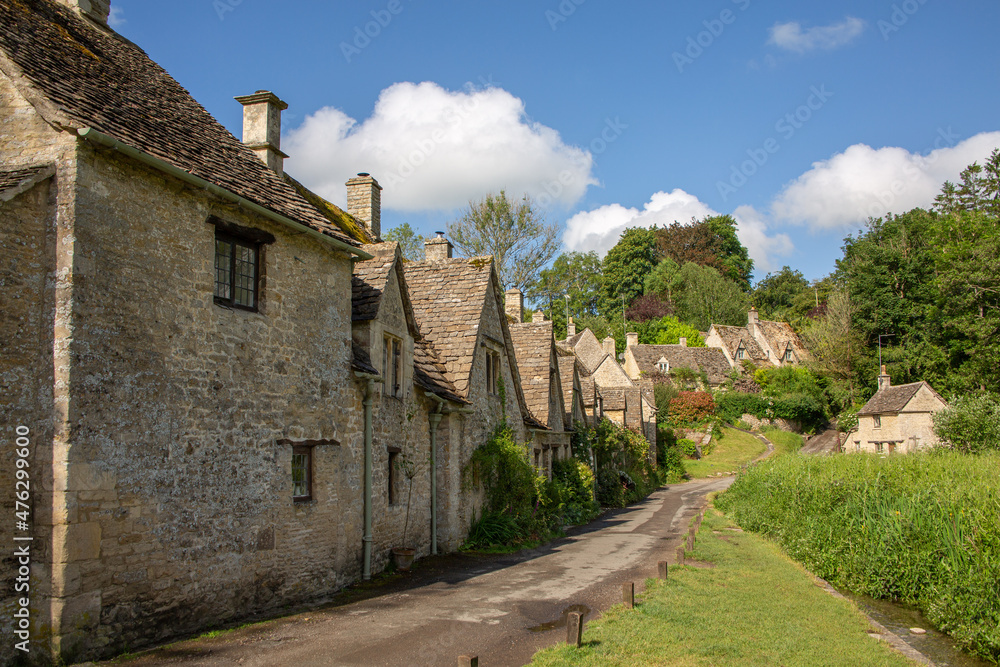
899, 618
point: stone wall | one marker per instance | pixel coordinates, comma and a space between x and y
756, 423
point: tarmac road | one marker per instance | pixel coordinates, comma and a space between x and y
502, 609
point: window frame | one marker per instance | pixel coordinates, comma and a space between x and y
741, 353
234, 241
307, 451
492, 371
392, 365
876, 421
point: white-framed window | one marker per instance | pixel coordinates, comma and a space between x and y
392, 365
663, 366
741, 352
789, 356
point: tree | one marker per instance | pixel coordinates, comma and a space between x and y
625, 269
777, 294
662, 281
648, 307
410, 243
834, 347
514, 233
574, 274
712, 242
705, 298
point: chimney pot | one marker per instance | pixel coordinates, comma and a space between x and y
262, 127
97, 10
631, 339
538, 317
513, 301
571, 328
609, 346
439, 249
364, 202
884, 381
683, 342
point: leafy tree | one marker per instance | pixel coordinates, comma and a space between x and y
777, 294
625, 269
971, 423
662, 281
979, 189
834, 347
648, 307
512, 231
576, 275
410, 243
671, 330
712, 242
705, 298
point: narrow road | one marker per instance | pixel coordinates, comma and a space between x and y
502, 609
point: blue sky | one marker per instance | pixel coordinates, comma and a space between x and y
800, 118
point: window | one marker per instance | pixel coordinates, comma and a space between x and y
392, 366
391, 476
879, 447
663, 365
237, 269
789, 357
877, 421
493, 378
301, 473
741, 353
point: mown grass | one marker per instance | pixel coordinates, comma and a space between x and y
754, 607
784, 442
923, 528
732, 451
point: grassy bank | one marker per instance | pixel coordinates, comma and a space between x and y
784, 442
754, 606
922, 528
729, 453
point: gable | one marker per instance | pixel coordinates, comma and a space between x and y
611, 374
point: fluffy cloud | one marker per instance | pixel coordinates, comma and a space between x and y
862, 181
600, 229
116, 18
434, 149
793, 37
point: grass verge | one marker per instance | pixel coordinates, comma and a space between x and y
754, 606
784, 442
729, 453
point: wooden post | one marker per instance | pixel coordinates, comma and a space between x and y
574, 629
662, 567
468, 661
690, 542
680, 555
628, 594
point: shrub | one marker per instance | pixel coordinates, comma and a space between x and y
688, 447
971, 423
691, 407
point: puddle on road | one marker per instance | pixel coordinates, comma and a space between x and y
561, 623
899, 618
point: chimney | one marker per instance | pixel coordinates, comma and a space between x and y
571, 328
364, 202
97, 10
262, 127
439, 249
683, 341
514, 304
884, 382
631, 339
538, 317
609, 346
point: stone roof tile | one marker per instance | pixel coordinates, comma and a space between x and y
533, 345
708, 359
894, 398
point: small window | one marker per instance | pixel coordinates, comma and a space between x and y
392, 365
664, 366
789, 357
237, 270
740, 352
301, 473
492, 372
877, 421
879, 447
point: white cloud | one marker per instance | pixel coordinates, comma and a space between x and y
433, 149
116, 18
793, 37
862, 181
601, 228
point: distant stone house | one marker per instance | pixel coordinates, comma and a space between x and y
573, 395
763, 342
645, 361
538, 366
897, 419
458, 307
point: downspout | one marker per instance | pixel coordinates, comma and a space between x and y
366, 540
435, 421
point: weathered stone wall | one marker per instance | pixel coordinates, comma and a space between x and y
756, 423
180, 511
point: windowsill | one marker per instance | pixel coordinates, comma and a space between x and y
302, 500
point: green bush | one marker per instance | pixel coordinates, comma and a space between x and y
971, 423
923, 528
688, 447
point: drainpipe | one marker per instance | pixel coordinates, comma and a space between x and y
435, 420
366, 572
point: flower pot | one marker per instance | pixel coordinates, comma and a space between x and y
403, 558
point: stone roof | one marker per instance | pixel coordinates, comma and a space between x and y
360, 360
369, 280
430, 373
567, 371
533, 343
894, 399
587, 349
711, 360
15, 181
613, 398
78, 75
779, 335
587, 386
731, 338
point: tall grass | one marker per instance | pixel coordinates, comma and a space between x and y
923, 528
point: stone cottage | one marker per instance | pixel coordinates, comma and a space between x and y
646, 361
538, 366
897, 419
762, 342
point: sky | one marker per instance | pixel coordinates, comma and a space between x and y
799, 119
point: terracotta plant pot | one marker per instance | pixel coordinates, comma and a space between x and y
403, 558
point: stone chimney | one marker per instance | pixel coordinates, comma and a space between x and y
631, 339
609, 346
884, 382
97, 10
683, 341
438, 249
364, 202
571, 328
514, 304
262, 127
538, 317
